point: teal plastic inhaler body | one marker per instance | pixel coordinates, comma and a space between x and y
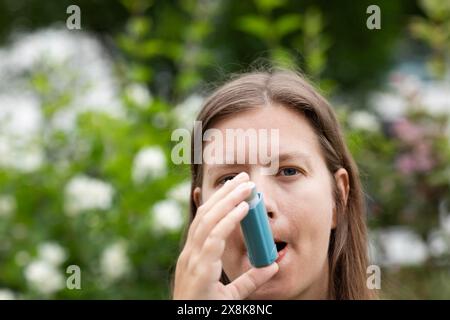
258, 237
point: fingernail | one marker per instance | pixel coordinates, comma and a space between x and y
243, 186
240, 176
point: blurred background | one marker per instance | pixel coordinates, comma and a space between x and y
86, 117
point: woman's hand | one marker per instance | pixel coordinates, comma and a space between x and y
199, 265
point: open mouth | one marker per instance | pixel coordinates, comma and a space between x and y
281, 248
280, 245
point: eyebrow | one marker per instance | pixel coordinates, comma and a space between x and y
283, 157
292, 155
226, 165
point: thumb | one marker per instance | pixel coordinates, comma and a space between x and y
243, 286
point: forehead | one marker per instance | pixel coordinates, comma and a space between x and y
294, 131
292, 126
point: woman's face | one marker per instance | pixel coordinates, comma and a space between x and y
298, 198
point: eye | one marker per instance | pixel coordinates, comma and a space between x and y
289, 171
222, 180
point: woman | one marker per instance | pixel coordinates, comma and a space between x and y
314, 201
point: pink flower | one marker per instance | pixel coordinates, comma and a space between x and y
418, 160
423, 157
405, 164
407, 131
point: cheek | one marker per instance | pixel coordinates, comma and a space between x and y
314, 215
207, 192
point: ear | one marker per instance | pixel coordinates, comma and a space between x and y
343, 186
197, 196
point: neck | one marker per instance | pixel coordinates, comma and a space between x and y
319, 289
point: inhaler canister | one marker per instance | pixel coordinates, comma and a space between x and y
258, 237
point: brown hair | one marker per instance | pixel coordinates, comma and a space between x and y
348, 241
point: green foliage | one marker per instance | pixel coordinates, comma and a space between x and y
435, 32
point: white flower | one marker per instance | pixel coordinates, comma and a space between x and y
139, 94
437, 243
20, 115
181, 192
436, 97
364, 121
406, 84
149, 163
21, 154
389, 106
44, 277
401, 246
114, 262
85, 193
6, 294
92, 81
186, 111
167, 216
7, 205
52, 253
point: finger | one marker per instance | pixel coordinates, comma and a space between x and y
247, 283
214, 244
229, 186
220, 210
226, 188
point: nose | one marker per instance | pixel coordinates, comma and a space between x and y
266, 187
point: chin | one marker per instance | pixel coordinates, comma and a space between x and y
269, 295
269, 291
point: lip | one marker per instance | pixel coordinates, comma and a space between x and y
281, 254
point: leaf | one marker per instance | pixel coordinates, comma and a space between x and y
150, 48
139, 26
315, 61
255, 25
269, 5
282, 58
436, 9
313, 22
140, 73
436, 65
421, 29
199, 30
158, 47
287, 24
136, 6
187, 80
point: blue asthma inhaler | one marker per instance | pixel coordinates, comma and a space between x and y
258, 237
